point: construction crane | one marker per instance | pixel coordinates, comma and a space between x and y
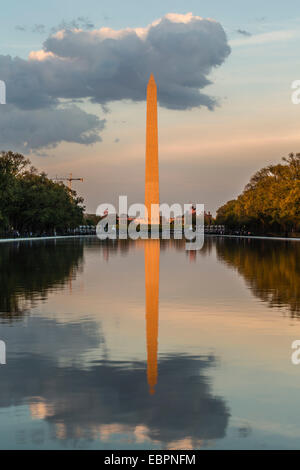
69, 180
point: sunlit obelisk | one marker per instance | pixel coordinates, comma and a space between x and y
151, 173
152, 251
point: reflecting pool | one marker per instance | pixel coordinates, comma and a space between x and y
144, 345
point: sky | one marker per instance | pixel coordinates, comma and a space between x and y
76, 76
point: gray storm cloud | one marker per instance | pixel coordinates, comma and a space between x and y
46, 128
104, 65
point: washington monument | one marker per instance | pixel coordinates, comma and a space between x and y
152, 247
151, 171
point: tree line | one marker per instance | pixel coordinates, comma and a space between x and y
33, 204
270, 202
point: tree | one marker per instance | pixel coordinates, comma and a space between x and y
12, 165
227, 214
32, 202
270, 202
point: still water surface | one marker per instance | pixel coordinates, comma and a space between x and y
143, 345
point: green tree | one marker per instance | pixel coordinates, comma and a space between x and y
32, 202
270, 202
12, 166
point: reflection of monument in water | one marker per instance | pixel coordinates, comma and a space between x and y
152, 252
152, 247
111, 398
151, 168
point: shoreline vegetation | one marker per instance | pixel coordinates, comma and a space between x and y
32, 206
269, 204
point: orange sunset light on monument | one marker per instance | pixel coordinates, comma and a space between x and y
152, 247
151, 169
152, 254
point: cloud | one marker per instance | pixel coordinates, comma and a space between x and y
243, 32
261, 19
181, 51
46, 128
105, 65
263, 38
82, 22
20, 27
39, 28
